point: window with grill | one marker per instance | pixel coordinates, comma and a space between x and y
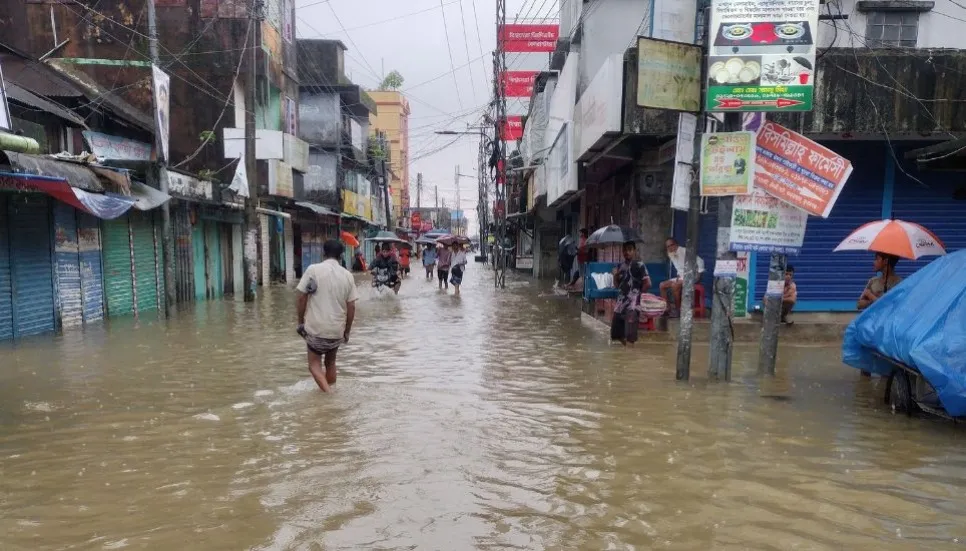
899, 29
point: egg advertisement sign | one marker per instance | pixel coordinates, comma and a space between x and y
762, 55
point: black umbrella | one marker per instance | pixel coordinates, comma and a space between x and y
389, 237
613, 235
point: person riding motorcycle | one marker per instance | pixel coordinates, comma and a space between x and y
385, 270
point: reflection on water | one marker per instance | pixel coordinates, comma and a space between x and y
490, 421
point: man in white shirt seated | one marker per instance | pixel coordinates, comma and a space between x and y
677, 255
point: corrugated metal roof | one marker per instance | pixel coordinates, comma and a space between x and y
37, 77
107, 99
16, 93
77, 175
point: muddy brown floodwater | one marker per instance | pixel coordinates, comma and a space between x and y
492, 421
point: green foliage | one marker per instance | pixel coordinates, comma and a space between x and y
208, 136
392, 81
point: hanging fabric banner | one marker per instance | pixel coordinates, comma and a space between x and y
239, 182
107, 207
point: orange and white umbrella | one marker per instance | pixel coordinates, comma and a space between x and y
895, 237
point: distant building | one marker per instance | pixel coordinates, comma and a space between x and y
392, 117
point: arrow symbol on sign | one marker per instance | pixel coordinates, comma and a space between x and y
737, 103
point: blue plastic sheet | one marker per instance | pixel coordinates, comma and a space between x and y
921, 323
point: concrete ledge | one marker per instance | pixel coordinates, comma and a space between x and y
807, 329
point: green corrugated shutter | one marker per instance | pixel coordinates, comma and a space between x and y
145, 261
216, 285
198, 260
118, 284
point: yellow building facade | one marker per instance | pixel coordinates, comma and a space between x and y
392, 117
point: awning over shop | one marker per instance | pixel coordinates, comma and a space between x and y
317, 209
79, 176
948, 155
107, 207
146, 197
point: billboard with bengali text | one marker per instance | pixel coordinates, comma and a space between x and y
518, 84
528, 38
512, 128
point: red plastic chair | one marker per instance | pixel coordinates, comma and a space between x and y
700, 310
647, 324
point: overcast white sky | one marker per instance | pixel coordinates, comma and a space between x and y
410, 37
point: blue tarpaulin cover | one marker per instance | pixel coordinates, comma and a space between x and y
921, 323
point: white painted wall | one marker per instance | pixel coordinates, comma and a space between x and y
610, 27
937, 28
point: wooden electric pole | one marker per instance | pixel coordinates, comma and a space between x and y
250, 245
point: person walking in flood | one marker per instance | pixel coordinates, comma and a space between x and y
429, 261
457, 265
444, 258
326, 308
631, 279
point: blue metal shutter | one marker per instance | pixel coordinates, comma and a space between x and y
118, 271
145, 262
934, 207
830, 281
33, 278
92, 274
67, 254
707, 239
6, 277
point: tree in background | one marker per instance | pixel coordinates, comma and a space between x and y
392, 81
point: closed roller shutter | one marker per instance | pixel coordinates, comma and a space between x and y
198, 260
6, 277
830, 281
145, 262
31, 260
184, 265
92, 274
118, 283
67, 254
933, 206
213, 245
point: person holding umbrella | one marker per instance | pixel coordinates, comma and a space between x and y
458, 263
631, 279
429, 261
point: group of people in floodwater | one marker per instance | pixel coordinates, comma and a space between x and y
633, 282
327, 295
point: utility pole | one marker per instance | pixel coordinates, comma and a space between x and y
419, 190
385, 192
160, 172
458, 221
250, 246
683, 371
436, 192
723, 296
768, 347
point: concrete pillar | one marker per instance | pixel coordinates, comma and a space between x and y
237, 263
289, 253
266, 249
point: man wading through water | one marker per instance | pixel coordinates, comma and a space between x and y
326, 308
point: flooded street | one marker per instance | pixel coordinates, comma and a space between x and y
495, 420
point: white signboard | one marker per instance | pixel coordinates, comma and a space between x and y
599, 109
683, 159
760, 222
162, 95
280, 179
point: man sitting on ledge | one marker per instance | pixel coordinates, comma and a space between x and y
677, 255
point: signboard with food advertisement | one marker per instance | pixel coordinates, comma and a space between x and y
799, 171
727, 163
762, 55
762, 223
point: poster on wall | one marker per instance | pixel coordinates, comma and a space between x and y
742, 273
799, 171
762, 223
668, 75
162, 95
762, 55
727, 163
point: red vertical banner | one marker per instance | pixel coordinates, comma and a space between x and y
414, 221
528, 38
518, 84
512, 128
